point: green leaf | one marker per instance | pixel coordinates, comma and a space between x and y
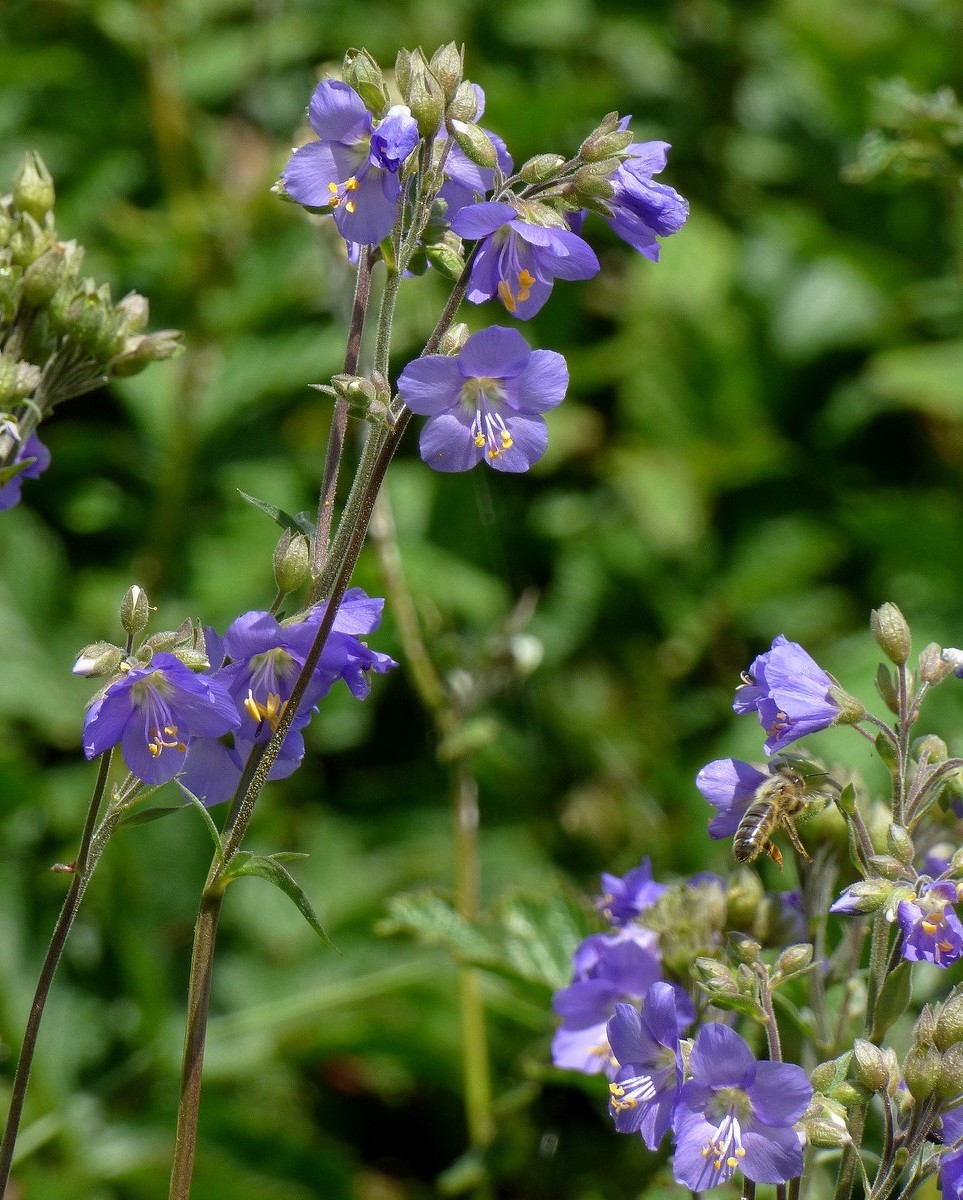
208, 820
269, 867
300, 524
141, 816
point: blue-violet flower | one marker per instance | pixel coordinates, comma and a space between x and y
624, 898
642, 208
354, 166
932, 931
517, 260
735, 1113
31, 448
790, 692
485, 403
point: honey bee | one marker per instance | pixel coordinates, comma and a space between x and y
777, 803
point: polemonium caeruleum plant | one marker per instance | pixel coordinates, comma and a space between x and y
412, 181
802, 1061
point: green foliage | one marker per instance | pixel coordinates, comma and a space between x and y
764, 434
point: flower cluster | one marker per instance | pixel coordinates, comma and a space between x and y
171, 721
424, 174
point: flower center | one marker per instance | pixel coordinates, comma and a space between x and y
522, 282
488, 428
729, 1107
341, 194
156, 746
271, 711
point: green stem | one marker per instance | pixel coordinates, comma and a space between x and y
83, 868
847, 1166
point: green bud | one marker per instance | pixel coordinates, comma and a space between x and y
44, 275
900, 844
822, 1132
925, 1027
418, 262
868, 1066
17, 380
464, 106
715, 978
133, 311
427, 102
792, 960
99, 658
743, 949
891, 632
592, 185
33, 188
888, 867
454, 339
933, 667
196, 660
886, 751
134, 610
949, 1023
743, 897
474, 143
931, 748
292, 561
950, 1081
360, 71
142, 349
542, 168
589, 151
28, 241
849, 1095
869, 895
886, 686
921, 1071
7, 223
446, 260
827, 1075
446, 66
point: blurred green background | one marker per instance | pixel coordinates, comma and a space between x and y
764, 434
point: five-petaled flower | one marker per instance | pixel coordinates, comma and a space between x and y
32, 448
518, 260
485, 403
790, 692
646, 1045
353, 168
735, 1113
623, 898
932, 931
155, 712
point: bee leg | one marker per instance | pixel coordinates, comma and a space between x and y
775, 854
796, 843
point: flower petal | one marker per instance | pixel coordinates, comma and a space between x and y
780, 1093
543, 383
721, 1058
431, 385
497, 352
337, 113
772, 1155
529, 442
447, 444
480, 220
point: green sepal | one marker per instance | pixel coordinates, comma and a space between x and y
886, 751
302, 523
143, 816
269, 867
8, 473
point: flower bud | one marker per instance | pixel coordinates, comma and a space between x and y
850, 1095
793, 959
17, 380
950, 1082
715, 978
141, 350
33, 188
474, 143
888, 867
868, 1067
44, 275
404, 70
133, 310
931, 748
609, 125
464, 106
360, 71
427, 102
454, 339
134, 610
99, 658
826, 1133
446, 66
292, 561
446, 260
891, 632
921, 1071
196, 660
900, 844
28, 241
542, 168
743, 950
591, 184
949, 1023
743, 897
886, 686
933, 665
827, 1075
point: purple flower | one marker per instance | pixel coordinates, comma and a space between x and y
485, 404
353, 167
155, 713
517, 260
642, 208
623, 899
259, 661
31, 448
931, 929
790, 692
646, 1045
608, 968
729, 785
951, 1162
737, 1114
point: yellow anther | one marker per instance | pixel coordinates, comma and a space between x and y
930, 926
741, 1152
505, 295
271, 711
732, 1162
526, 278
351, 185
506, 440
616, 1089
333, 189
350, 205
479, 440
494, 452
